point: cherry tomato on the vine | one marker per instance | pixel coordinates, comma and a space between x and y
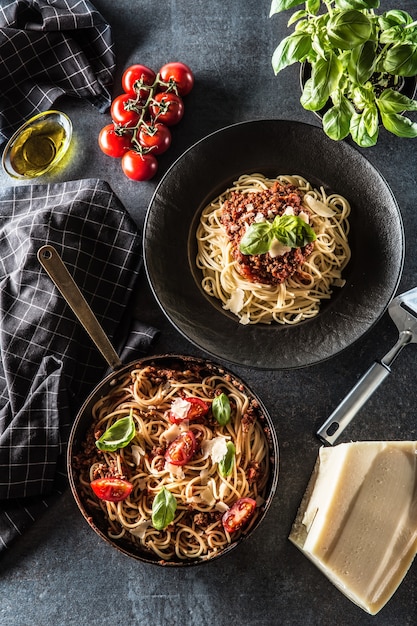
156, 137
180, 74
180, 451
198, 408
167, 108
135, 76
121, 113
141, 116
111, 489
239, 514
139, 166
112, 142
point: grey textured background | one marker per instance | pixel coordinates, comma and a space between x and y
60, 573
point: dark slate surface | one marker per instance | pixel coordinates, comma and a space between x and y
60, 572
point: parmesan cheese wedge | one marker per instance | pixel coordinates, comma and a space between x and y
358, 519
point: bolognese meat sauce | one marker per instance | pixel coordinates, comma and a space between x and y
243, 209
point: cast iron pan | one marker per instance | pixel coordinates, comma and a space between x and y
52, 263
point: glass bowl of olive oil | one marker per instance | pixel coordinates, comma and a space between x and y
38, 145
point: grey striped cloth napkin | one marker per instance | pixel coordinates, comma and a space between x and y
51, 48
48, 363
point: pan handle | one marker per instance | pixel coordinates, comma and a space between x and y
52, 263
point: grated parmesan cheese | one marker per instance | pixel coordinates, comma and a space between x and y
171, 433
221, 506
140, 530
180, 408
235, 302
216, 448
137, 454
277, 248
318, 207
175, 470
207, 496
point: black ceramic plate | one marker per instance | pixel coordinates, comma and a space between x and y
273, 147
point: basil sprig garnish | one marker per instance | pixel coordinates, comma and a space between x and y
163, 509
221, 409
226, 464
290, 230
118, 435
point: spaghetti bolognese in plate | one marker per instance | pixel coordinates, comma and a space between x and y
287, 283
212, 165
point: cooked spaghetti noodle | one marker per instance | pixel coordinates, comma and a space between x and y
299, 296
202, 494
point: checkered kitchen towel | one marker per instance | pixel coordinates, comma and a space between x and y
48, 363
50, 48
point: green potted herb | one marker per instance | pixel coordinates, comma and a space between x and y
358, 63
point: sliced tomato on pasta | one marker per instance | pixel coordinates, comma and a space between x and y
181, 450
239, 514
111, 489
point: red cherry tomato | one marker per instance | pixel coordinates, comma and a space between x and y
111, 489
139, 166
180, 451
167, 108
156, 137
112, 142
198, 408
180, 74
121, 113
239, 514
136, 76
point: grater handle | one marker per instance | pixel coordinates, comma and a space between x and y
356, 398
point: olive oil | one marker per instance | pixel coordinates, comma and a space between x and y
38, 146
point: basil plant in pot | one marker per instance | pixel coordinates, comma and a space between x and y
358, 62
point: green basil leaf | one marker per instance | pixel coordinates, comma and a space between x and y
362, 96
336, 121
395, 34
348, 29
221, 409
319, 48
362, 60
399, 125
391, 101
163, 509
298, 15
395, 17
309, 98
226, 464
257, 239
371, 119
325, 77
313, 6
291, 49
292, 231
359, 132
356, 4
401, 60
118, 435
277, 6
